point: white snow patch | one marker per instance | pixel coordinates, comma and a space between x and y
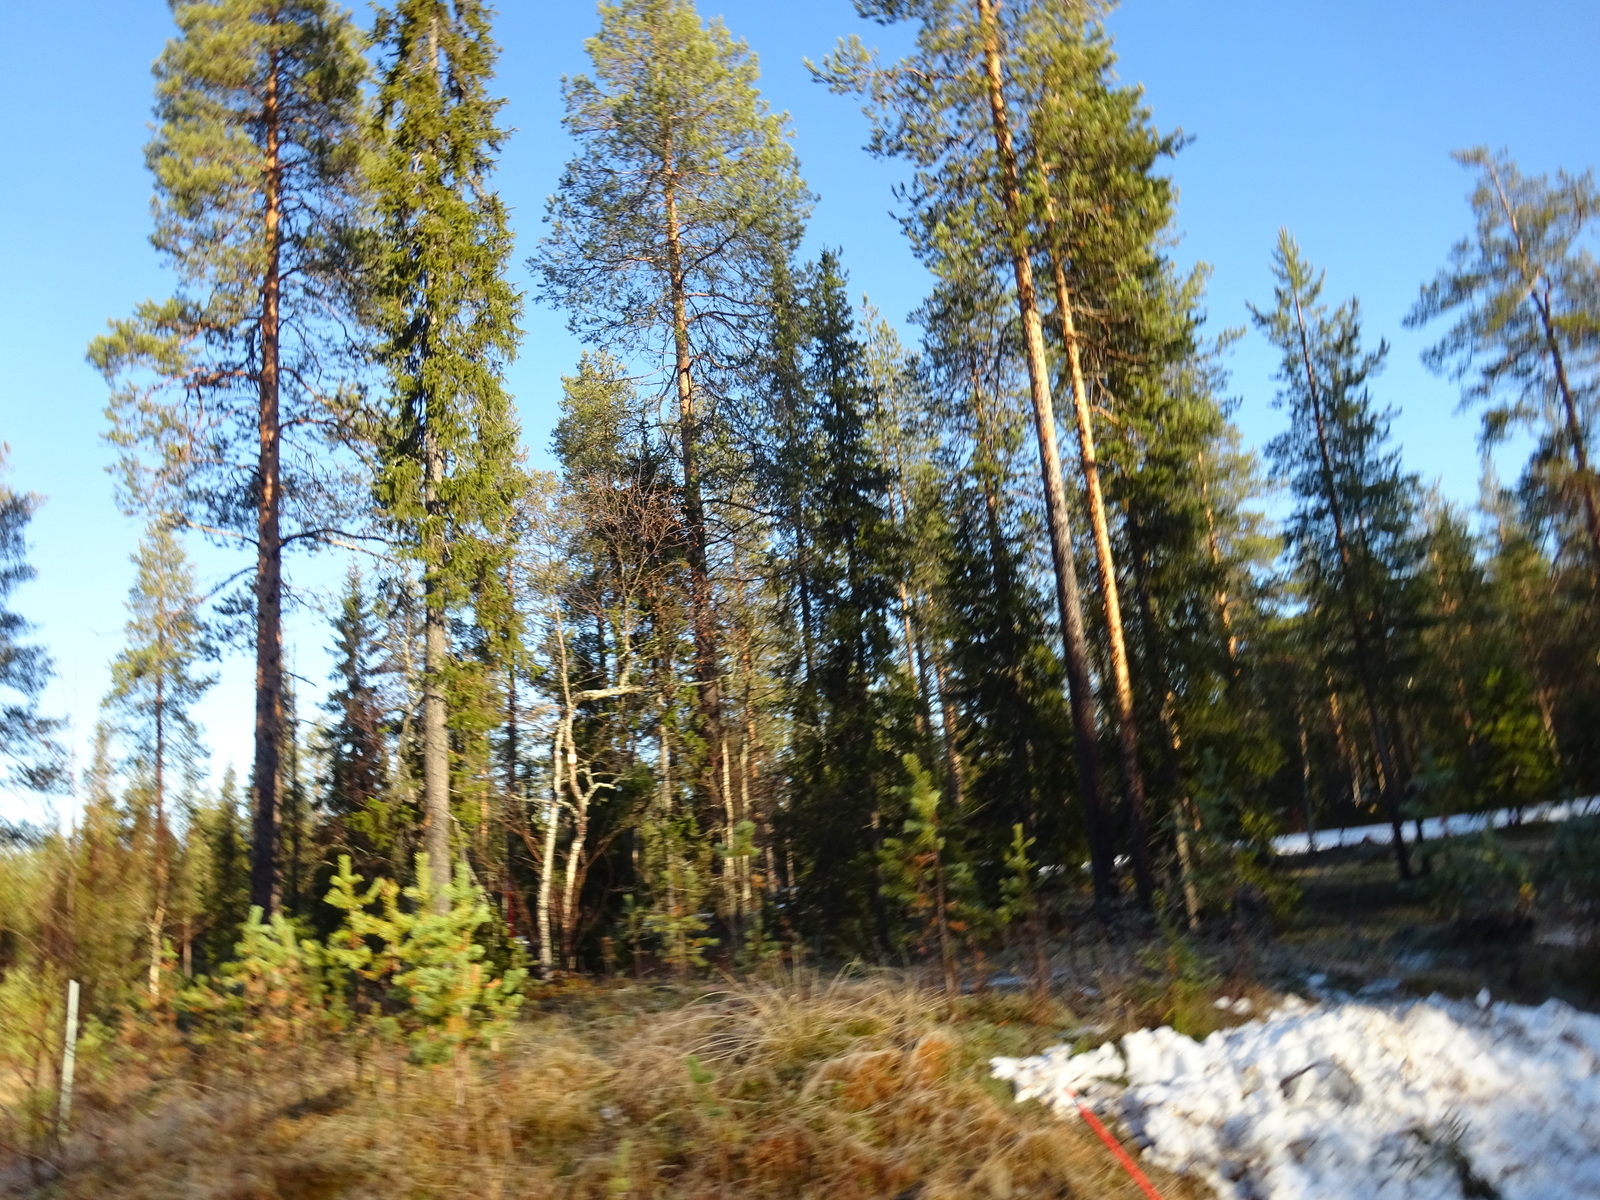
1434, 828
1424, 1100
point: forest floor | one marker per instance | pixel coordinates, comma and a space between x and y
866, 1085
1364, 932
1388, 1053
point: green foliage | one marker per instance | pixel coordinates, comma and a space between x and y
442, 306
1521, 292
669, 109
853, 706
219, 842
27, 737
155, 682
1233, 855
1481, 881
250, 94
413, 971
455, 999
364, 813
1572, 870
274, 992
677, 870
920, 872
1019, 901
1517, 766
1180, 989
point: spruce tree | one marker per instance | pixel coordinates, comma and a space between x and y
1354, 523
447, 319
366, 821
847, 757
223, 395
27, 737
225, 896
156, 681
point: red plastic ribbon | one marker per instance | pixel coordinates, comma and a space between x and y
1128, 1165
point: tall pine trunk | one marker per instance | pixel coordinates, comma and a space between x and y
694, 513
1122, 682
1074, 643
158, 906
265, 777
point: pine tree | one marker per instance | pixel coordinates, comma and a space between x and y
222, 395
663, 237
1354, 524
951, 109
27, 737
1522, 290
447, 318
156, 681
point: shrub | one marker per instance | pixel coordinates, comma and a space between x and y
1479, 880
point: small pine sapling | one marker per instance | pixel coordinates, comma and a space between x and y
350, 947
1020, 906
274, 991
915, 873
453, 1001
427, 961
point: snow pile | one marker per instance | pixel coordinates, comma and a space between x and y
1353, 1101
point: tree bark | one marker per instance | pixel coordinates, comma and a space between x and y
435, 655
1068, 600
547, 868
1122, 682
694, 514
265, 779
158, 908
1224, 602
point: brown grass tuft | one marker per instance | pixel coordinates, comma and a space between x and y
843, 1090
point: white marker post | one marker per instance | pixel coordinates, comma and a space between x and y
69, 1056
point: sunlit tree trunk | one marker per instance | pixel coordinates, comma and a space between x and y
1068, 600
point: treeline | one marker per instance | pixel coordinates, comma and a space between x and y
816, 642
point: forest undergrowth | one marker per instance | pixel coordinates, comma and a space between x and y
801, 1085
792, 1081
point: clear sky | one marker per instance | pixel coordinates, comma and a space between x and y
1333, 117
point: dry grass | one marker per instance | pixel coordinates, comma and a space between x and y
801, 1088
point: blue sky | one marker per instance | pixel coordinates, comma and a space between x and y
1333, 118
